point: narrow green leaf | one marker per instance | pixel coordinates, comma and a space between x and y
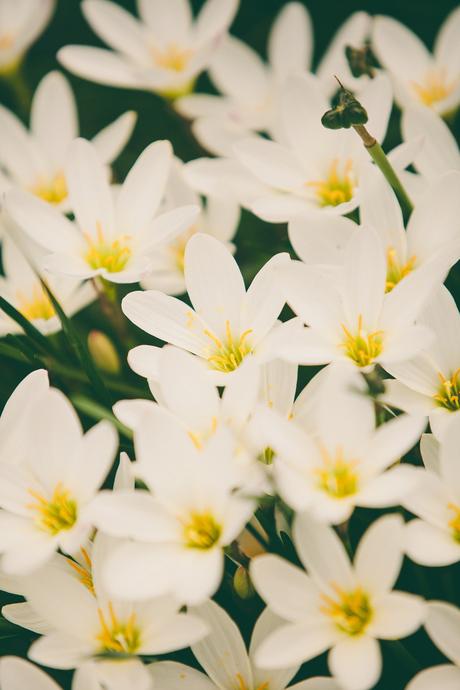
29, 329
98, 412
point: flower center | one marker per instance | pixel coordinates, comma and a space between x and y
172, 57
267, 456
454, 523
241, 684
116, 636
448, 395
201, 531
362, 347
56, 514
84, 571
337, 477
396, 271
227, 356
350, 611
53, 191
35, 306
433, 88
111, 255
338, 187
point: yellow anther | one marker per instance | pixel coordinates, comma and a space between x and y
454, 523
434, 87
36, 305
52, 190
84, 573
227, 356
112, 255
362, 347
338, 187
120, 637
337, 477
448, 395
241, 684
396, 271
351, 612
55, 514
172, 57
201, 531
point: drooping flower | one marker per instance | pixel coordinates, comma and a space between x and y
22, 22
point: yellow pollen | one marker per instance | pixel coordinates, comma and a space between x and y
448, 395
53, 191
227, 356
37, 305
56, 514
337, 477
362, 347
84, 572
111, 255
395, 270
172, 57
120, 637
351, 612
201, 531
338, 187
454, 523
199, 439
241, 684
433, 88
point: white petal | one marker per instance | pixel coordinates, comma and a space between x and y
430, 545
110, 140
171, 675
117, 27
294, 643
443, 626
379, 555
59, 650
270, 162
19, 674
290, 45
397, 615
356, 663
264, 299
320, 240
444, 676
99, 65
239, 72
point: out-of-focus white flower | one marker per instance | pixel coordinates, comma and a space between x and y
429, 383
434, 539
35, 160
310, 168
20, 674
21, 287
182, 527
228, 323
433, 80
44, 498
218, 218
339, 606
443, 626
352, 318
164, 51
250, 88
438, 152
21, 23
111, 238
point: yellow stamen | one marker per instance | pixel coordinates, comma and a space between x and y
198, 439
56, 514
172, 57
84, 573
122, 637
228, 356
454, 523
350, 611
37, 305
201, 531
395, 270
337, 477
52, 190
338, 187
111, 255
241, 684
434, 87
362, 347
448, 395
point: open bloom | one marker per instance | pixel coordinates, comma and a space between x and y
111, 238
443, 626
35, 159
21, 24
250, 88
434, 538
339, 606
21, 287
342, 460
429, 382
164, 51
310, 168
19, 674
44, 498
227, 324
433, 80
353, 318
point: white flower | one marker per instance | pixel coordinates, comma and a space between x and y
352, 318
227, 324
164, 51
310, 168
249, 87
111, 238
438, 152
429, 383
181, 527
44, 498
219, 218
35, 160
443, 626
19, 674
434, 538
433, 80
22, 22
21, 287
339, 606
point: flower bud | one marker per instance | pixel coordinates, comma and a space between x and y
242, 583
348, 113
103, 352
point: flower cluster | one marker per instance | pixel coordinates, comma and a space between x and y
263, 454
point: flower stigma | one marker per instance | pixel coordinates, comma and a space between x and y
116, 636
111, 255
362, 347
338, 187
351, 612
228, 355
57, 514
201, 531
337, 477
448, 395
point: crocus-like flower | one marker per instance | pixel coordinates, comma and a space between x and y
112, 238
35, 160
434, 538
21, 23
164, 51
311, 168
353, 318
443, 626
341, 461
339, 606
249, 87
227, 323
433, 80
21, 287
438, 152
19, 674
429, 383
44, 498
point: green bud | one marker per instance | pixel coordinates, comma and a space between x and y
347, 113
361, 61
242, 583
103, 352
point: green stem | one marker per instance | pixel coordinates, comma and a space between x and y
95, 411
75, 375
20, 88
